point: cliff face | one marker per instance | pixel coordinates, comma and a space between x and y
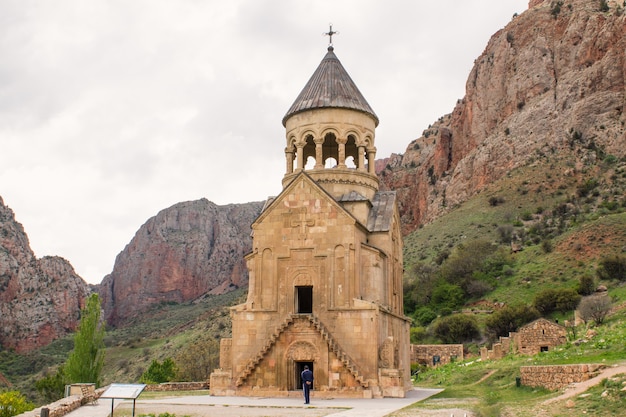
553, 75
182, 253
40, 299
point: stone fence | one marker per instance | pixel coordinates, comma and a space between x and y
68, 404
63, 406
555, 377
178, 386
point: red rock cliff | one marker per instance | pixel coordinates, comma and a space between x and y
40, 299
182, 253
553, 73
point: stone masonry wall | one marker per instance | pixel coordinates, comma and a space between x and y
178, 386
557, 376
424, 353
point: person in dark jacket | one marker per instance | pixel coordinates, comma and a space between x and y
307, 383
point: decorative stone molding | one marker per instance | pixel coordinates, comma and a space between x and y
302, 351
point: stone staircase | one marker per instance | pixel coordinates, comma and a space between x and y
338, 351
332, 344
252, 363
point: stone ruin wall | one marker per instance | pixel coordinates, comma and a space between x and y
531, 338
423, 354
555, 377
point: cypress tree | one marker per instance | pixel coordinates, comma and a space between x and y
86, 360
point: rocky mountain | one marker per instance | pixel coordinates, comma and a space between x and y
552, 79
40, 299
184, 252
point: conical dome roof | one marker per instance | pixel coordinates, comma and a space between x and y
330, 86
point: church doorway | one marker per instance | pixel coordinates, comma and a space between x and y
304, 300
298, 376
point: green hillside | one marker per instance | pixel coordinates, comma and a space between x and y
543, 226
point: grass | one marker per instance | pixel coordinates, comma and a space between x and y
489, 388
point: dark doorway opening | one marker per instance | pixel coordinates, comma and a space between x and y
544, 348
304, 300
299, 369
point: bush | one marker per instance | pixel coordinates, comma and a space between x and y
197, 359
509, 319
447, 296
13, 403
424, 315
52, 386
159, 372
586, 285
595, 308
418, 335
457, 328
612, 268
556, 299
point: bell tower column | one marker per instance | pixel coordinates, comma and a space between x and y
371, 158
289, 160
342, 152
300, 155
319, 153
361, 163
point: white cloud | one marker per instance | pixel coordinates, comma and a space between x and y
113, 110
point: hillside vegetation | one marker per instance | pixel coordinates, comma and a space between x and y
489, 389
555, 224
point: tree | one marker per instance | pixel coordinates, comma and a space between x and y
509, 319
595, 307
52, 386
556, 299
457, 328
86, 360
198, 359
586, 285
612, 267
13, 403
159, 372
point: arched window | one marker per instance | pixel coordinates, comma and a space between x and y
330, 150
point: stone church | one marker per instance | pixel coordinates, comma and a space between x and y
325, 271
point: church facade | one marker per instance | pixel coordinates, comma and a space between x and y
325, 271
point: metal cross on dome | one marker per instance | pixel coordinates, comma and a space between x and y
330, 34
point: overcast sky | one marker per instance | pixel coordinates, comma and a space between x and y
111, 111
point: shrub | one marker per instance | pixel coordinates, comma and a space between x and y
556, 299
612, 267
586, 285
457, 328
556, 8
52, 386
546, 246
595, 308
424, 315
509, 319
604, 7
159, 372
418, 335
447, 296
197, 359
13, 403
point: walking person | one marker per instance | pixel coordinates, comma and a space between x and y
307, 383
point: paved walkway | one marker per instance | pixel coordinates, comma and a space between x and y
338, 407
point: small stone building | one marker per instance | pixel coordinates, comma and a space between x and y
325, 286
540, 335
433, 355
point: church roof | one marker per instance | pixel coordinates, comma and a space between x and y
352, 196
330, 86
382, 211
